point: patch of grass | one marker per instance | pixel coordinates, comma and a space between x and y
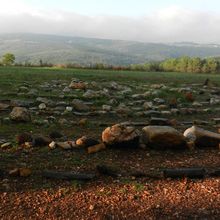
139, 187
76, 185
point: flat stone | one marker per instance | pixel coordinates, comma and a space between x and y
163, 137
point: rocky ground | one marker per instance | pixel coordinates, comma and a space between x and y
76, 124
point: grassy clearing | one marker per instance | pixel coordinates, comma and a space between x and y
16, 75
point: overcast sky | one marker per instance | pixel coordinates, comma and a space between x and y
139, 20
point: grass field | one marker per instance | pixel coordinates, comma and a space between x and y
13, 75
105, 197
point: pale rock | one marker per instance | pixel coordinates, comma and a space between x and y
121, 135
148, 105
52, 145
42, 106
196, 104
69, 109
107, 108
6, 145
20, 114
64, 145
201, 137
159, 101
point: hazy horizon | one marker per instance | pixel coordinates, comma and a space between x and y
144, 21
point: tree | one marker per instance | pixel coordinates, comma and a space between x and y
196, 65
8, 59
212, 65
41, 62
182, 64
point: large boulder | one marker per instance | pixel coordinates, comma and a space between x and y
20, 114
163, 137
121, 135
202, 138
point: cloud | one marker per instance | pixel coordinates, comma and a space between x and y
166, 25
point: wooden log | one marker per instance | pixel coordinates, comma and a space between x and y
108, 171
1, 174
215, 173
67, 175
184, 172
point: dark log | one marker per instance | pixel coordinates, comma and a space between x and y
138, 174
184, 172
215, 173
67, 175
1, 174
108, 171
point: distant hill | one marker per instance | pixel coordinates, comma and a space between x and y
63, 49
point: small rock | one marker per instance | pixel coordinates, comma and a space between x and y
41, 141
96, 148
20, 114
214, 101
14, 172
69, 109
159, 101
86, 142
4, 106
66, 89
24, 172
6, 145
148, 105
90, 94
64, 145
62, 121
196, 104
80, 106
83, 122
52, 145
75, 84
107, 108
42, 106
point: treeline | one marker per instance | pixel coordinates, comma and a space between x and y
191, 65
182, 64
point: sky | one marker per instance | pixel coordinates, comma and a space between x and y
136, 20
